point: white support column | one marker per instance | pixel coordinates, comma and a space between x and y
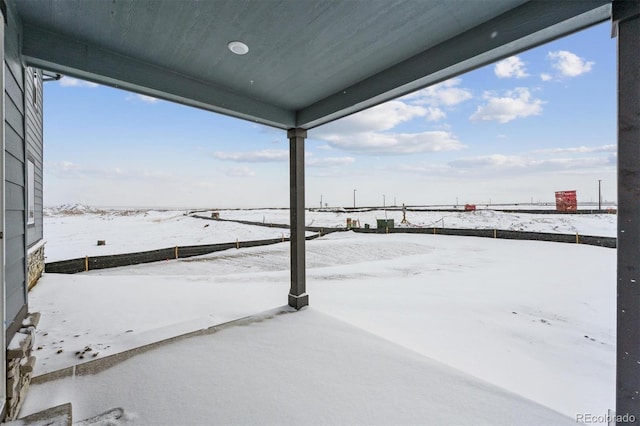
298, 297
626, 25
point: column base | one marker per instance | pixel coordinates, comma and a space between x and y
298, 302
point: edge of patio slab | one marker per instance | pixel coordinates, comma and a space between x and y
101, 364
55, 416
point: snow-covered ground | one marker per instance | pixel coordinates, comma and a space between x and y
74, 235
603, 225
534, 318
73, 231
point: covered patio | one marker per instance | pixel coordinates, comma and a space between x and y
297, 65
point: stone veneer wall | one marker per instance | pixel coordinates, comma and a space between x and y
20, 365
35, 263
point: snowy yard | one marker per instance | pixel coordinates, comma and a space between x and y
72, 231
603, 225
75, 235
533, 319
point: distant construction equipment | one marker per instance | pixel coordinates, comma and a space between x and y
566, 201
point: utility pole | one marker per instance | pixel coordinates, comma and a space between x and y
320, 200
384, 201
354, 198
599, 194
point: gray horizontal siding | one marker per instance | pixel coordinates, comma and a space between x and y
14, 144
12, 48
14, 272
15, 196
15, 301
14, 170
12, 87
34, 141
33, 135
14, 199
14, 216
15, 276
14, 117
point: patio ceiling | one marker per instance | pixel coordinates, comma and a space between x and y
309, 61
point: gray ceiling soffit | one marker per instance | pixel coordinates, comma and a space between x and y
520, 29
48, 43
301, 51
58, 53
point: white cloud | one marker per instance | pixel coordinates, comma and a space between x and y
515, 104
378, 118
511, 67
240, 172
545, 77
578, 150
396, 143
70, 170
62, 168
74, 82
513, 166
494, 160
569, 64
370, 131
575, 163
435, 114
367, 131
446, 94
329, 161
425, 169
498, 163
263, 156
148, 99
134, 97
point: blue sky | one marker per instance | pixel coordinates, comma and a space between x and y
520, 129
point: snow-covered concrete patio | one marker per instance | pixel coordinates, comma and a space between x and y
292, 369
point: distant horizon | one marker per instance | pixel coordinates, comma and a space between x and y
604, 203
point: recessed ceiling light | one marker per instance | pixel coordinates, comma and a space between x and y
238, 47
